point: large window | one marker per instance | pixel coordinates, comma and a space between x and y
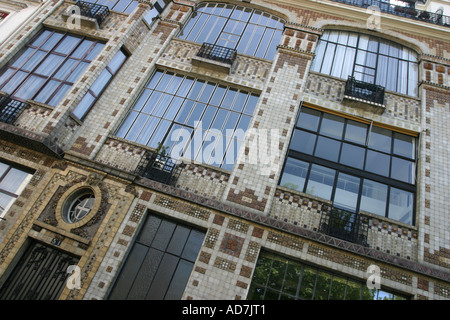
12, 182
48, 66
160, 262
196, 119
357, 165
279, 278
369, 59
249, 31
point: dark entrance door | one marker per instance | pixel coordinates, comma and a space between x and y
160, 261
40, 274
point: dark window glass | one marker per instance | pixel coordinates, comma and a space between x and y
48, 66
160, 261
368, 164
276, 278
294, 174
171, 101
246, 30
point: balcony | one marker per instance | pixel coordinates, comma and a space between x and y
365, 95
408, 12
158, 167
90, 15
344, 225
10, 109
216, 57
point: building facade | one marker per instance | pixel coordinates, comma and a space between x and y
224, 150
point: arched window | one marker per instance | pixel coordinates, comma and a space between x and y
369, 59
249, 31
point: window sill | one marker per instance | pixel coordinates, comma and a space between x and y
211, 64
366, 105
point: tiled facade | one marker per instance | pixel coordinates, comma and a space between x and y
244, 211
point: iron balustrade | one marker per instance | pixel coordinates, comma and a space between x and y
95, 11
161, 168
344, 225
408, 12
11, 109
217, 53
365, 91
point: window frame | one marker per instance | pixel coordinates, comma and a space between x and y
249, 29
362, 174
151, 88
317, 271
47, 79
411, 89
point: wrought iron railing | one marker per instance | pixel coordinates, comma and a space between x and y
407, 12
95, 11
158, 167
344, 225
365, 91
10, 109
217, 53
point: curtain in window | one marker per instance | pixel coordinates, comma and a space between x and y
369, 59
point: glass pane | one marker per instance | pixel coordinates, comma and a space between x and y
34, 60
29, 88
338, 288
321, 181
352, 156
14, 82
262, 270
164, 235
327, 149
307, 284
294, 174
309, 119
353, 291
83, 106
347, 191
48, 90
67, 45
401, 205
101, 82
356, 132
332, 126
179, 280
251, 104
292, 278
13, 180
52, 41
277, 274
403, 170
374, 197
303, 141
404, 145
322, 286
117, 61
377, 162
59, 95
82, 49
74, 75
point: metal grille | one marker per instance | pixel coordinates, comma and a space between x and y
40, 275
344, 225
159, 168
363, 90
95, 11
217, 53
10, 109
